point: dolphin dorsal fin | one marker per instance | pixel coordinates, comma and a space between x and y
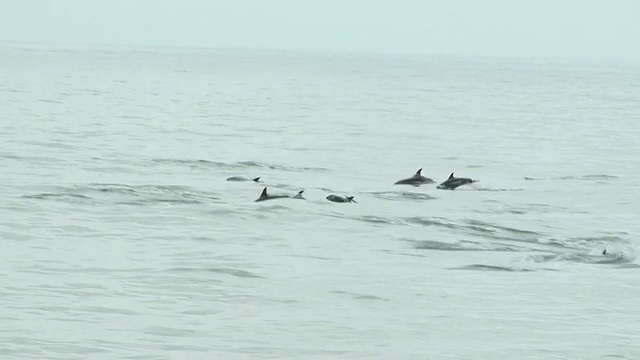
264, 193
256, 179
350, 198
418, 173
299, 194
451, 176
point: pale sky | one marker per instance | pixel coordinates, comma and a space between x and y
534, 28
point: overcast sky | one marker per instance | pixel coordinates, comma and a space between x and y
540, 28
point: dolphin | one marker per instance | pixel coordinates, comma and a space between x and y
264, 196
240, 178
416, 180
454, 182
341, 199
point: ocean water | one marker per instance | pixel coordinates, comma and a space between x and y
121, 238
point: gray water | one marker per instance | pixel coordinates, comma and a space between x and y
121, 238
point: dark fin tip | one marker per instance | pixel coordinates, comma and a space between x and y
264, 192
419, 171
451, 176
257, 179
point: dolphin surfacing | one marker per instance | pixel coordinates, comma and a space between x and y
240, 178
265, 196
341, 199
416, 180
453, 182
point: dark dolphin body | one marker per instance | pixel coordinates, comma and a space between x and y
416, 180
454, 182
341, 199
240, 178
264, 196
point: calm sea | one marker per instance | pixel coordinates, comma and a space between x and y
121, 239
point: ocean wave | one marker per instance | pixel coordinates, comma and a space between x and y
68, 197
492, 190
236, 165
483, 267
377, 220
479, 228
462, 245
598, 177
399, 196
127, 194
227, 271
610, 258
358, 296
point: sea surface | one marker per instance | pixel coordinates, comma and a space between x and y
120, 237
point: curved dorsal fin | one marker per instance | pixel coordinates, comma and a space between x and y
264, 193
419, 171
350, 199
451, 176
299, 194
256, 179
